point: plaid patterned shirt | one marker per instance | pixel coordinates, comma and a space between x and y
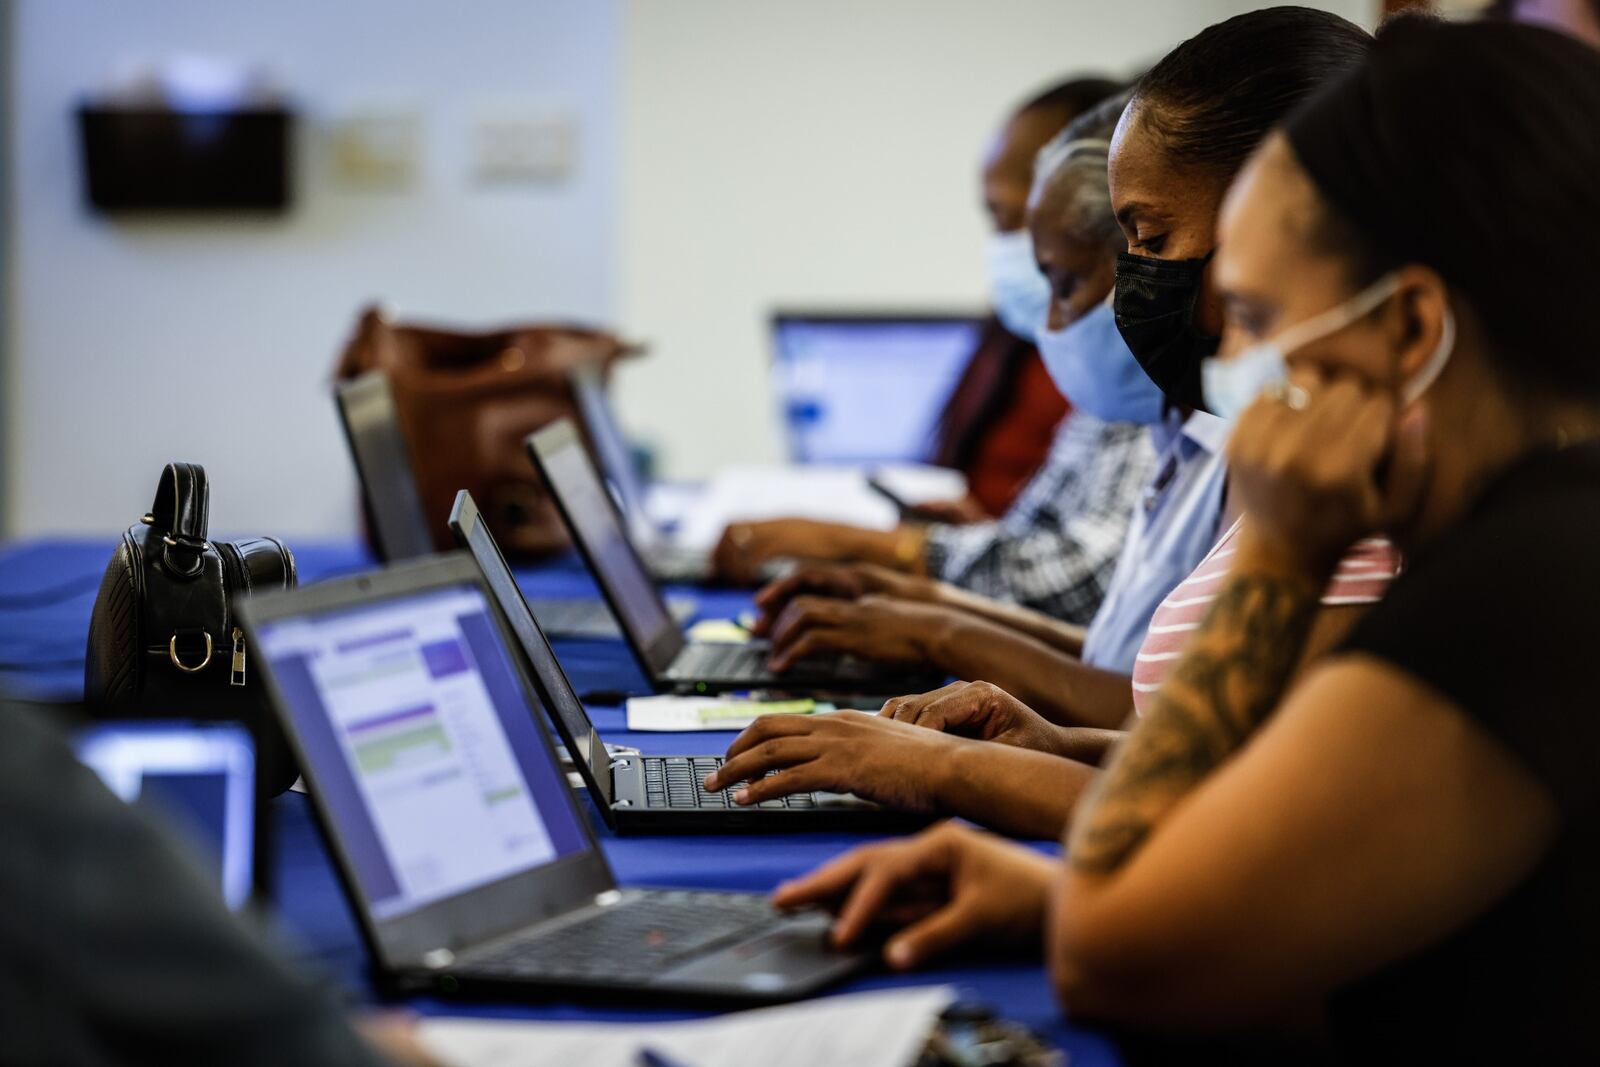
1056, 548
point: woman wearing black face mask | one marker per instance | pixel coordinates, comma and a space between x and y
1394, 858
1194, 119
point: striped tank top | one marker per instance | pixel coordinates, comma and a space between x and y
1361, 578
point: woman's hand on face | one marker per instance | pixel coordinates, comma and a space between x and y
976, 709
1321, 464
946, 887
874, 627
845, 581
898, 766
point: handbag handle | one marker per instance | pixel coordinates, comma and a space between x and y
181, 513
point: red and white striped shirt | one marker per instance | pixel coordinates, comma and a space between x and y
1362, 578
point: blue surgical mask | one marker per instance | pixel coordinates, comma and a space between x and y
1095, 370
1232, 384
1020, 294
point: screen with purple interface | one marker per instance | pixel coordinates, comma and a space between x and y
422, 744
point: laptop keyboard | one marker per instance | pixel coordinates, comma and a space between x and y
746, 661
644, 935
679, 782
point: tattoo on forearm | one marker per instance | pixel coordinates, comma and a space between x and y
1226, 683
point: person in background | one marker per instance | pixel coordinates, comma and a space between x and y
1255, 868
114, 951
1053, 550
1069, 674
997, 424
1580, 18
1192, 122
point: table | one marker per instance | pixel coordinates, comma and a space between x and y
47, 588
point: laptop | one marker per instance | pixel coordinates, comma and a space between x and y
668, 659
650, 794
667, 560
831, 371
398, 520
199, 779
457, 837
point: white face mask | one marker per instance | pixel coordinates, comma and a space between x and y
1231, 385
1021, 295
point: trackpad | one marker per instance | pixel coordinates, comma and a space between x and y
793, 955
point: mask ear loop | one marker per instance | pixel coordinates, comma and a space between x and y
1436, 362
1337, 317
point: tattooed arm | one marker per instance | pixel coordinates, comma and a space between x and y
1229, 678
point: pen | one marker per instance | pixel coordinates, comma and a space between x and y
649, 1057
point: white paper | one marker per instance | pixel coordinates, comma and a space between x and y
680, 714
884, 1028
826, 493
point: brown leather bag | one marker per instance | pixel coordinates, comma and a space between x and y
466, 401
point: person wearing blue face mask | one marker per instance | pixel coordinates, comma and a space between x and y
1075, 234
1080, 677
1003, 427
1188, 127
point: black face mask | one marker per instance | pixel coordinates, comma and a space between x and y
1154, 306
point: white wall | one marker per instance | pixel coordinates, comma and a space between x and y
733, 155
132, 343
823, 153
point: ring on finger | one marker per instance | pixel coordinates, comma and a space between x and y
1292, 396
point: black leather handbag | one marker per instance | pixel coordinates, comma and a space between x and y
164, 640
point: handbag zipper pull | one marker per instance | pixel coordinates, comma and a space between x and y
237, 677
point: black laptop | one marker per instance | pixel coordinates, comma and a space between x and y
398, 519
456, 834
649, 794
668, 659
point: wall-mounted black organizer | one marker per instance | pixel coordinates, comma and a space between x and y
156, 159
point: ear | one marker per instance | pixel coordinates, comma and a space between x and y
1422, 302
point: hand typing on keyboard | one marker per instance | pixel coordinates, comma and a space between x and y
896, 764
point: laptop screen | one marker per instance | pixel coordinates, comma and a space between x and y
198, 778
556, 690
617, 566
422, 745
867, 389
388, 485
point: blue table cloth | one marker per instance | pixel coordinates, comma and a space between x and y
47, 589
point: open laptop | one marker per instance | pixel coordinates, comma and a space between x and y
646, 793
197, 778
832, 369
395, 512
456, 834
667, 560
668, 659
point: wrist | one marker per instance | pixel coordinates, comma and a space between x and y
1259, 553
941, 643
898, 549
